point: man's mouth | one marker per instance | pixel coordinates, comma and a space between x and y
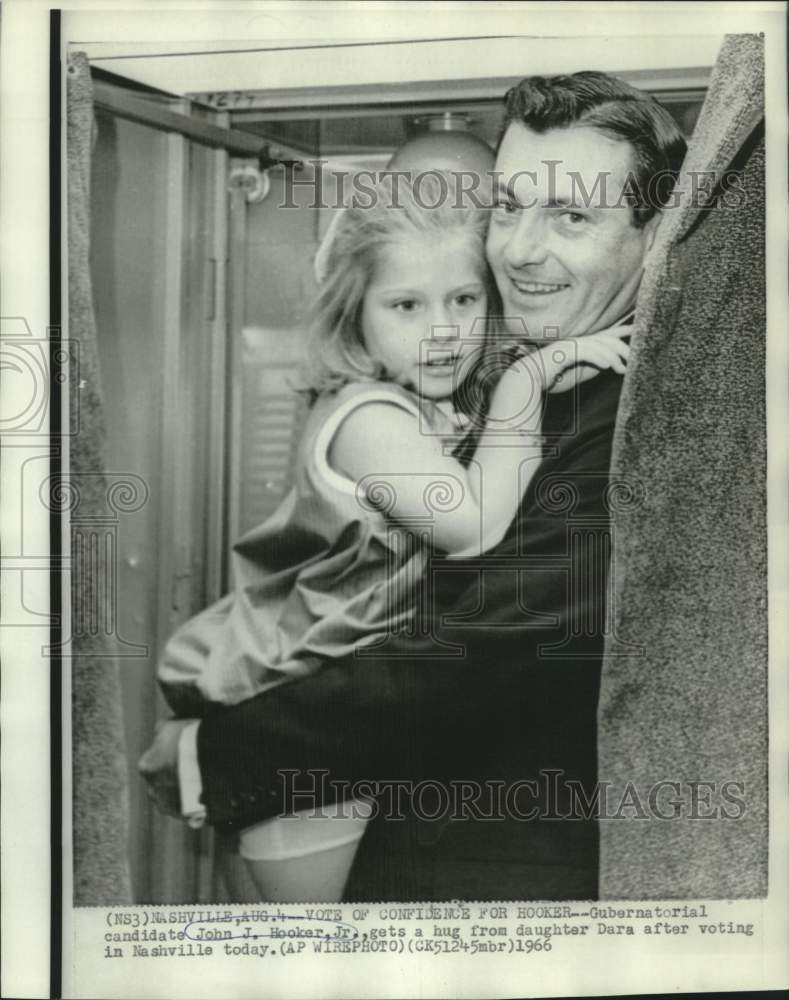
537, 287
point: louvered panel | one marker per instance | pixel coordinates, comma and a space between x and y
273, 416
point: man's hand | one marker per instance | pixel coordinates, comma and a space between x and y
159, 766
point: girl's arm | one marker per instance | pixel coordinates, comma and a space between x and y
470, 508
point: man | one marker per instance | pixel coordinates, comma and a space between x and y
478, 731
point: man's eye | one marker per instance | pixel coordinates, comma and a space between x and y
573, 218
505, 207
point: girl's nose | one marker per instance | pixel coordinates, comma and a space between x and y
442, 326
526, 244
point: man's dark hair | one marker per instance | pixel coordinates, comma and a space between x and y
543, 103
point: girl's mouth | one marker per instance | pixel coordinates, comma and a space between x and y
438, 360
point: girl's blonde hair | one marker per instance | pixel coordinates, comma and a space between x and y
394, 210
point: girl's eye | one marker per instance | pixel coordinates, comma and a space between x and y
465, 299
405, 305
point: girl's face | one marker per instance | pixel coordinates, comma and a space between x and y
424, 311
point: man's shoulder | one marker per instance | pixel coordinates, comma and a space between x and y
586, 413
574, 476
599, 397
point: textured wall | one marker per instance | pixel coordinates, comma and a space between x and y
100, 782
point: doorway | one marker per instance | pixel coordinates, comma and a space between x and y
202, 270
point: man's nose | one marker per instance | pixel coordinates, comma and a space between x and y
526, 244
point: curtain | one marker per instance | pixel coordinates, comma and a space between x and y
684, 684
100, 779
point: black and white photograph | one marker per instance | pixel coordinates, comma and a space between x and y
408, 491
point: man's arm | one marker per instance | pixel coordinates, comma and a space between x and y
410, 713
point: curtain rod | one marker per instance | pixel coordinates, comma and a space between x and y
237, 143
299, 48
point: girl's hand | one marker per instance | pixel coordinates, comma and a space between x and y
567, 363
555, 367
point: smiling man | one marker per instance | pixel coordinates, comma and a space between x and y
564, 259
478, 730
583, 168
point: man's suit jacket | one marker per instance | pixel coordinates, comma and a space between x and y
518, 704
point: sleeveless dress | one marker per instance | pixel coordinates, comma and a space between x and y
327, 573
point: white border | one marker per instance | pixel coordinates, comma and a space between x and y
25, 752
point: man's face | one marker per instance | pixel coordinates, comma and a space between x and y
562, 245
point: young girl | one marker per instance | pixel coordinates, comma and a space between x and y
400, 351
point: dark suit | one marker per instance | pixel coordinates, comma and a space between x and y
508, 709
